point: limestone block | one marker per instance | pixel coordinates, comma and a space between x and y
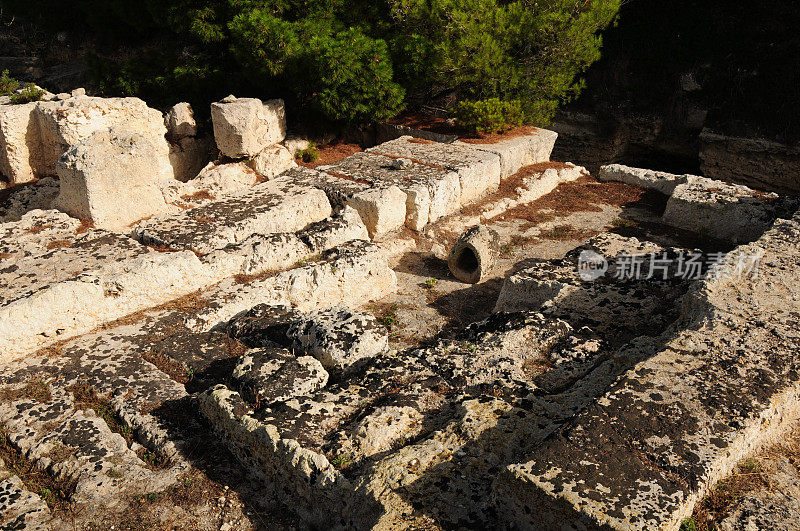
342, 339
275, 375
112, 178
20, 144
188, 156
474, 254
272, 161
478, 171
351, 275
648, 179
180, 121
243, 127
64, 124
260, 253
725, 211
521, 151
431, 191
382, 209
276, 206
81, 298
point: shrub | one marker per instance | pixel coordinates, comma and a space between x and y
529, 55
8, 85
28, 94
509, 60
488, 116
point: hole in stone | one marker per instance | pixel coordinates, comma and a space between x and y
468, 261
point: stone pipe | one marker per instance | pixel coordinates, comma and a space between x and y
474, 254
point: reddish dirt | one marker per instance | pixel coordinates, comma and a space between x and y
435, 124
507, 186
494, 138
582, 195
427, 122
332, 153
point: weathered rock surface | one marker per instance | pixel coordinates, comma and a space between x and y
478, 171
351, 274
112, 178
758, 163
680, 420
59, 281
276, 375
428, 192
243, 127
212, 183
276, 206
275, 252
726, 211
38, 195
659, 181
520, 151
20, 508
340, 338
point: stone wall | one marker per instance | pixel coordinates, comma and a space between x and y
755, 162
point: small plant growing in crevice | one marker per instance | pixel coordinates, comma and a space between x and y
28, 94
309, 154
341, 461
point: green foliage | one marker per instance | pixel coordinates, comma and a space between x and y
309, 154
491, 115
29, 93
8, 85
485, 51
508, 61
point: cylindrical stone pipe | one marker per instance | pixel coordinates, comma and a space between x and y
474, 254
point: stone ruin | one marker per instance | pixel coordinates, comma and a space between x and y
158, 297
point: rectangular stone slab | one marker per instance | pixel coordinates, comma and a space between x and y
279, 205
659, 181
478, 171
521, 151
431, 191
721, 210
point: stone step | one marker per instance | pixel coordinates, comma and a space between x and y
478, 171
519, 151
279, 205
58, 281
659, 181
428, 192
706, 394
351, 274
